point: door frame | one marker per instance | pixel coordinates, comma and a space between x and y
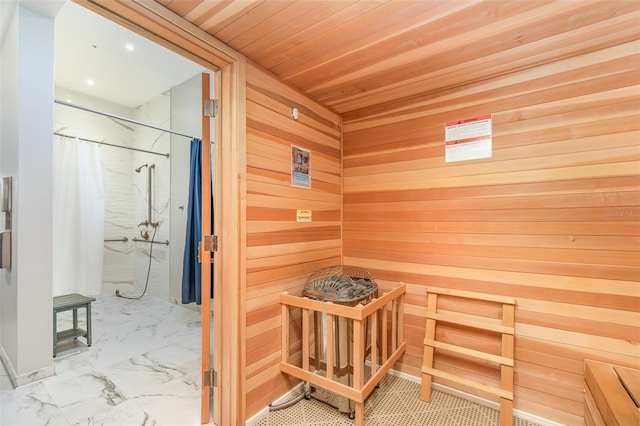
205, 254
158, 24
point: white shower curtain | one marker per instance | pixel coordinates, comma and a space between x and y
78, 217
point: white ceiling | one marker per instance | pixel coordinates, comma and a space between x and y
88, 46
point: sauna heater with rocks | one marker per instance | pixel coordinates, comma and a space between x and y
348, 286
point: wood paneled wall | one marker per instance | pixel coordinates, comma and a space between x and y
281, 252
552, 218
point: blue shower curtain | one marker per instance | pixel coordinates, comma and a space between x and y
191, 271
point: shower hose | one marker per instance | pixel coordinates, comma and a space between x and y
146, 284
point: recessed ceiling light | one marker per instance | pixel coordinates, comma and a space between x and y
90, 82
129, 47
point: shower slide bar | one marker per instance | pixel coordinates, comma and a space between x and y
118, 117
138, 240
113, 240
110, 144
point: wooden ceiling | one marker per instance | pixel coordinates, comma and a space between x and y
354, 55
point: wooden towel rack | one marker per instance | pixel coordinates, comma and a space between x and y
480, 323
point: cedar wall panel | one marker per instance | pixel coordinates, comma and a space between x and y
552, 218
281, 253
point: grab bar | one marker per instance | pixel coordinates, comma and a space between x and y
138, 240
113, 240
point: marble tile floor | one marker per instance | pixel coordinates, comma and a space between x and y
142, 369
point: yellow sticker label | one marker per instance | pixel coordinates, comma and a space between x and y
303, 215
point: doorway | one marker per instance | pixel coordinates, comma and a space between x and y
155, 22
149, 264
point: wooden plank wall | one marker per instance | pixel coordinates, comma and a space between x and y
281, 253
553, 218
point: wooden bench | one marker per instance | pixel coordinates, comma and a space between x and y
612, 394
66, 303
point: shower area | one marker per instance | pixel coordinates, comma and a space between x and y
127, 236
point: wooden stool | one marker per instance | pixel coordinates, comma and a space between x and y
66, 303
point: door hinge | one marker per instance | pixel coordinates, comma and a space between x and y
208, 245
210, 107
211, 243
210, 378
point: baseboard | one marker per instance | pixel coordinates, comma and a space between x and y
446, 389
23, 379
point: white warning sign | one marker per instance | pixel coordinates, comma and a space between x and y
468, 139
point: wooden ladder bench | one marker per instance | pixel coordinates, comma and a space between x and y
505, 360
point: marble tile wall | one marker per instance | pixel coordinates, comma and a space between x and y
158, 113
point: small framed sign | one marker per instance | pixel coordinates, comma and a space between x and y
300, 167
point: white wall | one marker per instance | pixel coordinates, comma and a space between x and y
9, 51
27, 85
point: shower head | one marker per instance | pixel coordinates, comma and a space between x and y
141, 167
